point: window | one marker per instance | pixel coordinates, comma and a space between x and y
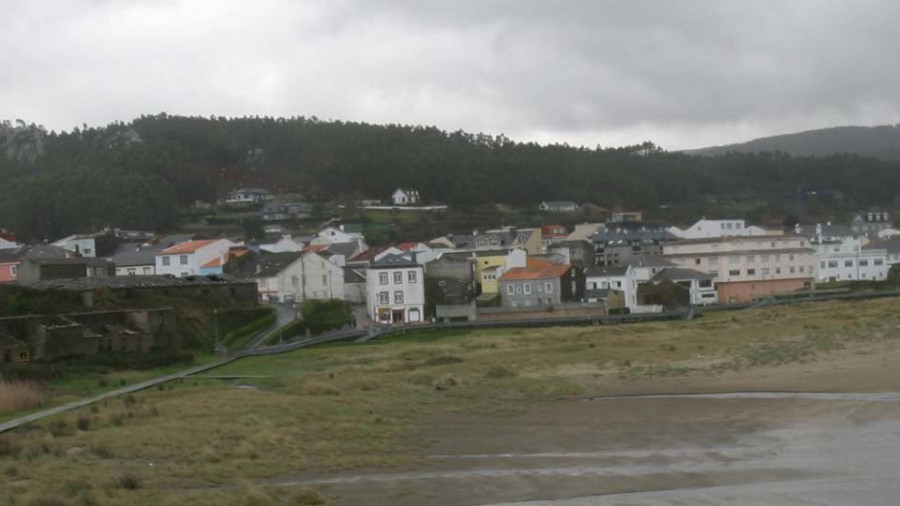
802, 268
398, 278
751, 272
384, 298
540, 287
510, 289
411, 276
146, 271
14, 270
295, 281
696, 261
778, 270
792, 269
183, 260
548, 287
705, 283
325, 279
132, 272
765, 271
383, 278
764, 258
166, 261
519, 289
734, 260
712, 261
734, 272
398, 297
832, 264
879, 261
863, 262
822, 264
528, 288
848, 263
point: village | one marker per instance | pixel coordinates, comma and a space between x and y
623, 265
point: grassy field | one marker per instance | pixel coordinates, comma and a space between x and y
333, 408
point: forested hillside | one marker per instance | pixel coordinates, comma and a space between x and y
877, 141
137, 174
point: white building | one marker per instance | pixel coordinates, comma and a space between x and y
331, 235
749, 267
613, 277
647, 266
700, 286
395, 289
189, 258
7, 240
283, 245
88, 245
295, 277
244, 196
848, 260
405, 197
717, 228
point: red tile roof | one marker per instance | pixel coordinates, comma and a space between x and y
537, 262
554, 231
548, 272
407, 245
315, 248
369, 254
186, 247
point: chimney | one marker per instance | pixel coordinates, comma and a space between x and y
341, 227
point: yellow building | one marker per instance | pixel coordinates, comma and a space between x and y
491, 264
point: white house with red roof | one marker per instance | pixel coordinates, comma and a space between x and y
193, 257
7, 239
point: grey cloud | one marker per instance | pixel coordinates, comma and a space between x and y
585, 72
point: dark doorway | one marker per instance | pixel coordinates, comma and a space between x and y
397, 316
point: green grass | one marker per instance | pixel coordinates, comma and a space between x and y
333, 408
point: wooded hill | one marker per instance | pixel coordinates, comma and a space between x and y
876, 141
138, 174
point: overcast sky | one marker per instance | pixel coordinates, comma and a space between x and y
680, 73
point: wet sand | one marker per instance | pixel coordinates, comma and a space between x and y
833, 439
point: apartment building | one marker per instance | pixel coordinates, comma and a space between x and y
748, 267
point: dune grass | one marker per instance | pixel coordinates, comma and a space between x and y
19, 395
333, 408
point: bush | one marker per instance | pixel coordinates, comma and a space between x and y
308, 496
235, 336
83, 422
127, 481
322, 315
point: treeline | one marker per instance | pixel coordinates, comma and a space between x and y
137, 174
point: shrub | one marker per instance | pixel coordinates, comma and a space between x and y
498, 372
322, 315
236, 336
46, 501
7, 447
308, 496
102, 451
443, 360
127, 481
60, 427
83, 422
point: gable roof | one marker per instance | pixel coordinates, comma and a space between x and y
352, 275
187, 247
394, 260
525, 273
648, 261
606, 270
342, 248
270, 264
368, 255
680, 274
